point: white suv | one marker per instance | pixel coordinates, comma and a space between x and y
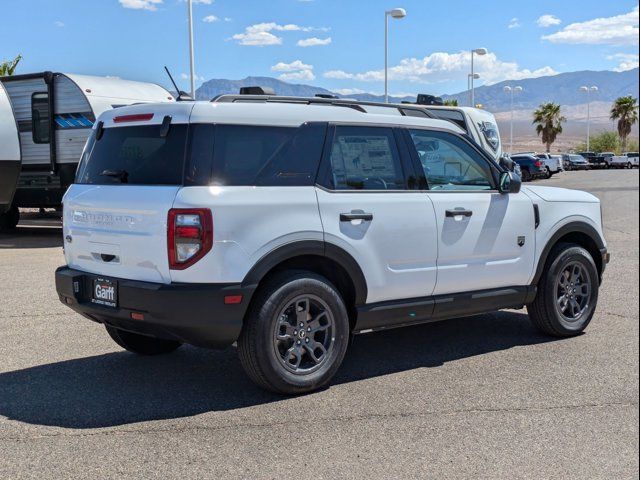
287, 228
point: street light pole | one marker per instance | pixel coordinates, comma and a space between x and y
477, 51
511, 91
469, 76
396, 13
191, 60
588, 90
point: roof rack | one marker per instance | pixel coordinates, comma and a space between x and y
338, 102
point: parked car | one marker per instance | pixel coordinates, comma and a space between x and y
552, 164
531, 166
560, 163
287, 228
573, 161
626, 160
595, 160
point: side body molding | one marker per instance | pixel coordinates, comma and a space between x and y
314, 248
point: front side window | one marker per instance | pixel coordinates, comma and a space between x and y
449, 163
40, 117
365, 158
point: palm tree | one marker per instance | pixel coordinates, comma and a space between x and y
8, 67
625, 110
549, 123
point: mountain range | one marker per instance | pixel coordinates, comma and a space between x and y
562, 88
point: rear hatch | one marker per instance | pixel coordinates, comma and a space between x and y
115, 214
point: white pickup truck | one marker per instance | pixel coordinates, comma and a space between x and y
626, 160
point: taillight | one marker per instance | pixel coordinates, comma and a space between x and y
538, 163
189, 236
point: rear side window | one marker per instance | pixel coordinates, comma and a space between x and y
365, 158
238, 155
135, 155
40, 118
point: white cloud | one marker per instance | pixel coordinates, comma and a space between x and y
59, 24
313, 42
260, 34
227, 19
296, 70
617, 30
548, 20
151, 5
350, 91
442, 67
514, 23
627, 61
200, 2
210, 19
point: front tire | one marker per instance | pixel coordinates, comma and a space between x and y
141, 344
295, 334
567, 292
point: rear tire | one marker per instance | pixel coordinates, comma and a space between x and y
295, 333
141, 344
567, 292
526, 176
9, 219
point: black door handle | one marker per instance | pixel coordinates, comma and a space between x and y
347, 217
457, 213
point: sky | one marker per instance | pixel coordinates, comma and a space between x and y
336, 44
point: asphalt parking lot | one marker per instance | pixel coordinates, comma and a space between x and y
481, 397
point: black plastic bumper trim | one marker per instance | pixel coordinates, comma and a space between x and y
191, 313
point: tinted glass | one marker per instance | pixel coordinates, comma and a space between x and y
454, 116
409, 112
242, 151
41, 121
136, 155
365, 158
449, 163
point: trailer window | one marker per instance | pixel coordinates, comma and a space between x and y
40, 117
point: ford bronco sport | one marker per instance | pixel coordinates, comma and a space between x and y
287, 228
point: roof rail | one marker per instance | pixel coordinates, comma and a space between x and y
338, 102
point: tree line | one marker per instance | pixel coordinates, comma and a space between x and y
548, 120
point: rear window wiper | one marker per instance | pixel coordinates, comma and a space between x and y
121, 175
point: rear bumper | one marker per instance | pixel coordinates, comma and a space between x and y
190, 313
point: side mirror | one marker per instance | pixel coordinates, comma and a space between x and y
509, 183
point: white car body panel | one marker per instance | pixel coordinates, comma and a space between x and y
397, 250
248, 223
482, 251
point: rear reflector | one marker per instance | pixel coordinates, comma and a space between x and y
138, 117
232, 299
137, 316
189, 236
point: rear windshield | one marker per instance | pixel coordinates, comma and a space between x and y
454, 116
134, 155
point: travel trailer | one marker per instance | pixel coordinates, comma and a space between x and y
45, 120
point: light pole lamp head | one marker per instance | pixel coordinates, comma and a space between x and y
475, 76
480, 51
518, 88
397, 13
593, 89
